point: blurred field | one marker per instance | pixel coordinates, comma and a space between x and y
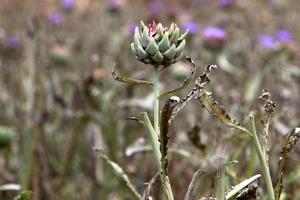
58, 99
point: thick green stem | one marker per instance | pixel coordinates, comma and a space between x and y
156, 99
163, 175
262, 160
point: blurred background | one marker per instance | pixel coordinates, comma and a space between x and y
58, 99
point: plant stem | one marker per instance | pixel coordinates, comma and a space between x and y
156, 100
262, 160
163, 175
220, 190
153, 139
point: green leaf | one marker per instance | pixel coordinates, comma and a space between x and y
159, 32
179, 48
174, 37
153, 136
143, 26
152, 47
164, 44
141, 52
136, 38
182, 37
119, 172
170, 53
145, 39
158, 57
24, 195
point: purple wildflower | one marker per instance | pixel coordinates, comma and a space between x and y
155, 7
284, 36
13, 42
214, 33
56, 19
268, 41
68, 4
115, 5
225, 3
214, 37
191, 26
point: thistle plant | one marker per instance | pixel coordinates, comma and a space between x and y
161, 47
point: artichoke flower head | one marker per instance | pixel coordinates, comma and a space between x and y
158, 45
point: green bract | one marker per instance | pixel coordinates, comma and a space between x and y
158, 45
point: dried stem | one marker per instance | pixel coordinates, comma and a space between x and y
197, 174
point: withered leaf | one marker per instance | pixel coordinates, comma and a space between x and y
288, 147
164, 129
129, 80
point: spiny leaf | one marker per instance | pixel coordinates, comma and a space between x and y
192, 184
238, 188
185, 81
200, 82
217, 110
119, 172
164, 129
129, 80
288, 146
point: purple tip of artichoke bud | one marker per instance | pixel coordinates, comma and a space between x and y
131, 27
56, 18
68, 4
268, 41
214, 33
155, 7
192, 27
285, 36
13, 42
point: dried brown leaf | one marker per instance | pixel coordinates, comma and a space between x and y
129, 80
288, 147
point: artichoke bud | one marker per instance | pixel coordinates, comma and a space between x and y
158, 45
